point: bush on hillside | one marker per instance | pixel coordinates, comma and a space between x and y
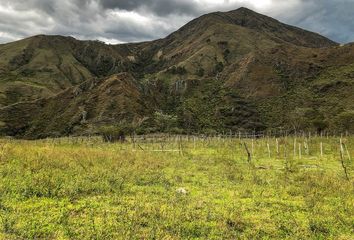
165, 122
219, 67
115, 133
177, 70
344, 121
200, 72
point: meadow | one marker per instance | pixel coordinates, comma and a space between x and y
178, 187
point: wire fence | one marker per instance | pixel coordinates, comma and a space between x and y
306, 151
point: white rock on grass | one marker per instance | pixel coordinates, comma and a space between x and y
181, 191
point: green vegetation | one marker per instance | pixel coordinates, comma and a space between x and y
52, 62
177, 70
164, 122
345, 121
219, 67
173, 187
115, 133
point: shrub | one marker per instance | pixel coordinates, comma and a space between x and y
176, 130
209, 132
177, 70
223, 44
299, 118
345, 121
164, 121
115, 133
226, 53
319, 124
200, 72
219, 67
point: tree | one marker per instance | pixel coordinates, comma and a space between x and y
177, 70
345, 121
299, 118
165, 122
219, 67
115, 133
200, 72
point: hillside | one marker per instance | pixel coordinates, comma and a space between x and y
42, 66
114, 98
238, 70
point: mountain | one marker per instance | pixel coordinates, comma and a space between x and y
230, 71
116, 97
42, 66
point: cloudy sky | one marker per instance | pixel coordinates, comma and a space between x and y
116, 21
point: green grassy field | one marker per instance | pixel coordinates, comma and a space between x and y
177, 189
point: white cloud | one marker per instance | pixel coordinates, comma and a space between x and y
117, 21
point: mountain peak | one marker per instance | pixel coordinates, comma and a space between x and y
252, 22
273, 28
244, 10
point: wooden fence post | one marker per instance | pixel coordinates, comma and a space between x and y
268, 147
277, 143
321, 146
300, 154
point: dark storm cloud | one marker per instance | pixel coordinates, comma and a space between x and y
139, 20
